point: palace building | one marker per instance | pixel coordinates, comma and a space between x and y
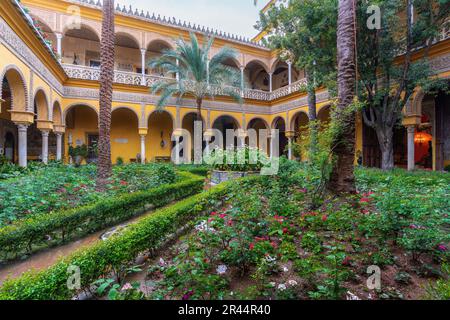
50, 89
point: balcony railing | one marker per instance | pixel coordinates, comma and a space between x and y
131, 78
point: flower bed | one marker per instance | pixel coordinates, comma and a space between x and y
28, 235
60, 187
264, 243
98, 260
257, 238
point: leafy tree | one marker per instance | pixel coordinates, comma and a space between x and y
106, 91
199, 76
390, 64
304, 31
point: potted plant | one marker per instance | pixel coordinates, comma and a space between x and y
79, 153
234, 164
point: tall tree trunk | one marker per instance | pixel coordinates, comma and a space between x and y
386, 141
342, 177
104, 166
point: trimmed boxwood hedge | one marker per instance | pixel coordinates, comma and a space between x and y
98, 260
29, 235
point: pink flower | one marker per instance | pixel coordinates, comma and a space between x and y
222, 216
303, 190
213, 214
442, 248
252, 246
365, 200
274, 244
127, 286
285, 231
230, 223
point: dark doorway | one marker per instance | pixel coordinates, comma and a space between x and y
10, 148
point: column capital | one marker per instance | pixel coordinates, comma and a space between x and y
411, 128
59, 35
22, 117
22, 126
143, 51
58, 128
44, 125
290, 134
143, 131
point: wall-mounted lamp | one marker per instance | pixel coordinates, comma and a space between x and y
422, 138
163, 143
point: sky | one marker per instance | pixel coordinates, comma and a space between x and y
233, 16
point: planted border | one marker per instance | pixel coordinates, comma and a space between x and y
28, 235
99, 259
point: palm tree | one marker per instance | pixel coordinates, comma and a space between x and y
104, 166
343, 178
198, 76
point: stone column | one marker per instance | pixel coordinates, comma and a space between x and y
290, 148
143, 151
44, 155
242, 80
178, 75
271, 82
289, 63
59, 37
59, 136
411, 148
22, 129
143, 53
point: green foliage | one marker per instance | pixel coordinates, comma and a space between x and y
199, 76
57, 187
387, 84
244, 159
298, 28
28, 235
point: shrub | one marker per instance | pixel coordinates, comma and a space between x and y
98, 260
25, 235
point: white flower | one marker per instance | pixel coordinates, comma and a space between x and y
222, 269
285, 269
292, 283
272, 284
270, 259
351, 296
162, 263
282, 287
203, 227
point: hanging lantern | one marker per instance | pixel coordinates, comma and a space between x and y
422, 138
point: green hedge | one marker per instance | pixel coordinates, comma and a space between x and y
99, 259
29, 235
201, 170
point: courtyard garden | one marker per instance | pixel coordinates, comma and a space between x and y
263, 237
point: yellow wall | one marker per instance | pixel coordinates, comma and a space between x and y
125, 141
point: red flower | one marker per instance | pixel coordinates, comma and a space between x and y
365, 211
347, 261
365, 200
213, 214
252, 246
274, 244
230, 223
222, 216
324, 218
285, 231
